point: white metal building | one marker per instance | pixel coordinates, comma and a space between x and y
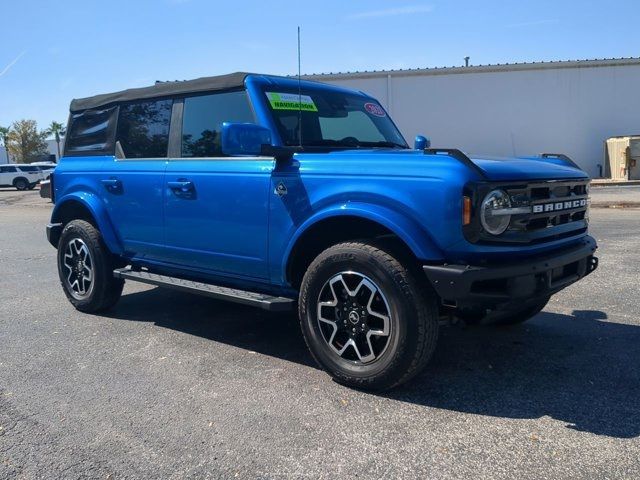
52, 148
568, 107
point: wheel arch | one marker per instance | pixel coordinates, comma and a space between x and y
85, 206
401, 234
15, 180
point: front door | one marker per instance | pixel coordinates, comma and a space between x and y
216, 207
216, 214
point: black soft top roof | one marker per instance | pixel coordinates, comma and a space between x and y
204, 84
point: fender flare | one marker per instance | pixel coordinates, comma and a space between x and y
408, 230
20, 177
99, 213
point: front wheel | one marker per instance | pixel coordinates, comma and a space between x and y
85, 267
366, 318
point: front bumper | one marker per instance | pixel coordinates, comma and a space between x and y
45, 189
501, 283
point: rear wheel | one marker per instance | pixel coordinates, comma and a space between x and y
21, 183
85, 267
365, 317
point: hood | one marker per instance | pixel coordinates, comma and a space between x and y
507, 169
417, 163
495, 169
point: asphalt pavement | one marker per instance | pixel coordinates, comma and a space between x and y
168, 385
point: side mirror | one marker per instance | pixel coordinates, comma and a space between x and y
421, 142
244, 138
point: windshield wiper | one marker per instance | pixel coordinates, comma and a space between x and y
383, 143
353, 144
331, 143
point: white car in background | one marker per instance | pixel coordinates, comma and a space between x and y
22, 177
45, 167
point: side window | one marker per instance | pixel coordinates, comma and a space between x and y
7, 169
91, 132
29, 169
203, 118
143, 129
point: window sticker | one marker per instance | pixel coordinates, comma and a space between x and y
375, 109
291, 101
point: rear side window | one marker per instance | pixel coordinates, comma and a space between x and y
143, 129
29, 169
7, 169
203, 118
91, 132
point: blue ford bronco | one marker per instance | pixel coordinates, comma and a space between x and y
285, 194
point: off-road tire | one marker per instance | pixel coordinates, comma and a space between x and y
106, 289
520, 316
413, 310
21, 183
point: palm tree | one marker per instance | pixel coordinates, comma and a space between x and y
57, 130
4, 135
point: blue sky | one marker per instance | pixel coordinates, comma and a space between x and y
55, 51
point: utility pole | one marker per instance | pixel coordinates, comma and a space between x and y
4, 133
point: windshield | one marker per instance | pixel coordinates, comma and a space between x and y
331, 119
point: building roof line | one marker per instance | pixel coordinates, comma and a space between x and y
499, 67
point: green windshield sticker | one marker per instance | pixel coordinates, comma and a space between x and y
291, 101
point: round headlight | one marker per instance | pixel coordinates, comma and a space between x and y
492, 218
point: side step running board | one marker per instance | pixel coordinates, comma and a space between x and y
260, 300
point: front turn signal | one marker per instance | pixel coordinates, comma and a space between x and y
466, 210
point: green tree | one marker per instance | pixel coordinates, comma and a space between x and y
57, 130
4, 136
26, 143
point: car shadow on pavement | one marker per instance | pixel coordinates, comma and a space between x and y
579, 369
275, 335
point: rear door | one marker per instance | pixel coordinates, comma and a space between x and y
216, 207
132, 182
31, 173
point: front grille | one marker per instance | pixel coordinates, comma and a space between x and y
566, 194
558, 210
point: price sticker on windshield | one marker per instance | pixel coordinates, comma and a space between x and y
291, 101
375, 109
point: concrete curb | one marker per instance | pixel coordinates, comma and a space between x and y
613, 183
615, 205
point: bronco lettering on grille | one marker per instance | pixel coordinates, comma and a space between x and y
554, 207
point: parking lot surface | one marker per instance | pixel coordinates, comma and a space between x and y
168, 385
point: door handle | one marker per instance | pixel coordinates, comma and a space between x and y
182, 188
112, 184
